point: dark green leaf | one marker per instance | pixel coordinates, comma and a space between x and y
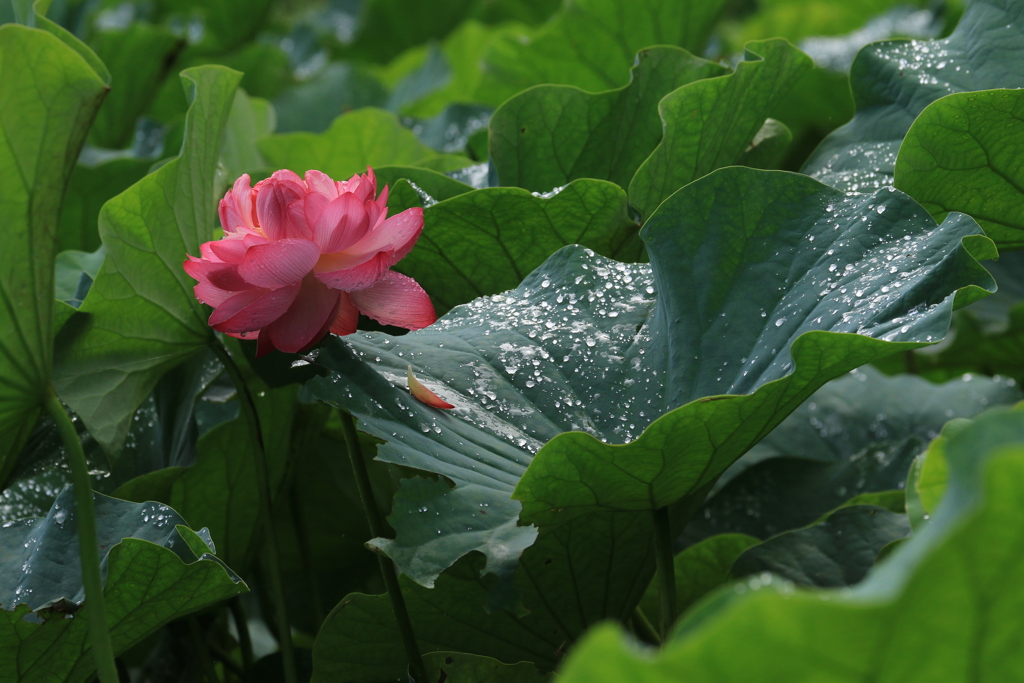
591, 44
141, 317
963, 154
89, 189
893, 81
856, 435
549, 135
580, 348
711, 123
959, 584
459, 667
73, 274
41, 79
421, 187
487, 241
387, 27
836, 552
152, 576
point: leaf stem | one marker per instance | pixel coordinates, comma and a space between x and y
387, 567
259, 456
663, 559
244, 639
643, 623
88, 543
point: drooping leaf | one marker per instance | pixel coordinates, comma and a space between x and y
711, 123
549, 135
963, 153
838, 551
591, 44
139, 57
41, 79
156, 569
141, 317
577, 356
893, 81
486, 241
365, 137
857, 434
960, 578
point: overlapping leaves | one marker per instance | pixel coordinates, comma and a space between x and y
758, 292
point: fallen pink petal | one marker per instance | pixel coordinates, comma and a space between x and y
425, 395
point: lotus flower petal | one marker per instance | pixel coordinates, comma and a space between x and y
396, 300
425, 395
280, 263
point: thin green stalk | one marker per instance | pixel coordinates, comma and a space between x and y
643, 623
88, 544
387, 567
306, 553
266, 520
663, 559
244, 639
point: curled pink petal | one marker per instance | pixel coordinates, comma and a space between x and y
212, 295
319, 182
229, 250
236, 209
278, 264
357, 277
396, 234
342, 223
307, 319
347, 319
425, 395
253, 309
396, 300
272, 202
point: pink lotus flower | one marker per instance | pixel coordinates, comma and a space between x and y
300, 258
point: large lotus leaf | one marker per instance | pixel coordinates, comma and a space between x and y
965, 152
313, 105
549, 135
894, 81
41, 79
711, 123
458, 667
410, 186
361, 138
769, 284
486, 241
838, 551
857, 434
141, 316
387, 27
577, 358
945, 605
591, 44
156, 570
139, 57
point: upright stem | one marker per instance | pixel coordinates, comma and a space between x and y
387, 568
244, 639
666, 570
88, 543
266, 520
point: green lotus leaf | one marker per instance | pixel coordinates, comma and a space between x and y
156, 569
486, 241
41, 78
361, 138
141, 317
313, 105
591, 44
838, 551
893, 82
963, 153
858, 434
711, 123
958, 578
546, 136
752, 316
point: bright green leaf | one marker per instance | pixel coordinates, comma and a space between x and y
41, 79
549, 135
711, 123
141, 317
965, 152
